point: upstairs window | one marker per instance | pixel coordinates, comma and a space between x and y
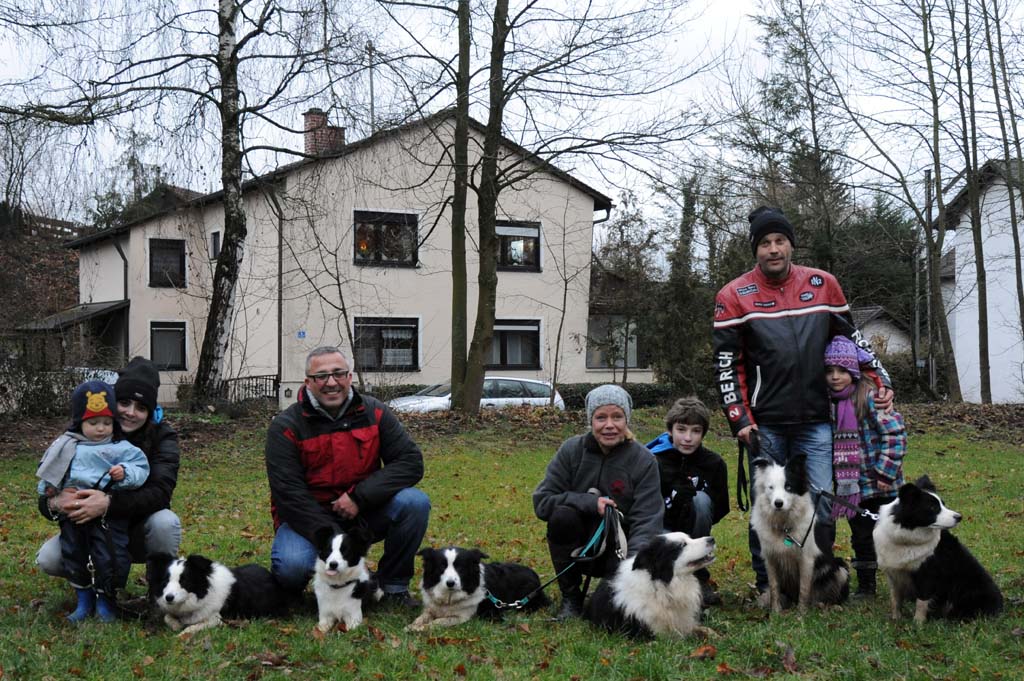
516, 344
518, 246
167, 263
386, 239
214, 245
387, 343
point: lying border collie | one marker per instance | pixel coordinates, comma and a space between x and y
456, 585
341, 582
195, 592
784, 518
923, 561
655, 591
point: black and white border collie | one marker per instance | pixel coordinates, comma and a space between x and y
342, 583
925, 563
655, 592
456, 584
783, 516
194, 593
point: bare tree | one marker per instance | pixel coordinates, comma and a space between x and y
965, 97
549, 77
1013, 166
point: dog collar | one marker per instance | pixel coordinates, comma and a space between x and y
342, 586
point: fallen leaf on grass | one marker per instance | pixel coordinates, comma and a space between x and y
704, 653
789, 660
1017, 631
377, 633
460, 670
269, 659
724, 668
524, 627
318, 635
904, 645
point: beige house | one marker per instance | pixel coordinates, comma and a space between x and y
354, 248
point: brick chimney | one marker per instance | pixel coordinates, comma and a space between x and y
319, 137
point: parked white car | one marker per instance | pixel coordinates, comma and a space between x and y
499, 392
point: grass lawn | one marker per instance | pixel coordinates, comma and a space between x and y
480, 479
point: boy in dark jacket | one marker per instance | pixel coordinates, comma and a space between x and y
694, 481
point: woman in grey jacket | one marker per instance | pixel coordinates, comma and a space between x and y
605, 467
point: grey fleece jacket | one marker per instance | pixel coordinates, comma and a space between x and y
628, 474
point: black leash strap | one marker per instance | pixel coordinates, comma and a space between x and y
598, 542
742, 484
846, 504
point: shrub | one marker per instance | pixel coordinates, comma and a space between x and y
643, 394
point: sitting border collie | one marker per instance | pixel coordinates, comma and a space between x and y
341, 582
784, 518
457, 584
655, 591
923, 561
195, 592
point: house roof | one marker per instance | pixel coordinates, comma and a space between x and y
868, 313
601, 202
993, 170
164, 198
73, 315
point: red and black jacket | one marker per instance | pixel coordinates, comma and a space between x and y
313, 459
769, 346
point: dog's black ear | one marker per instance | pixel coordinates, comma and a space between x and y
925, 483
199, 564
480, 555
423, 553
909, 491
760, 463
658, 558
797, 462
323, 536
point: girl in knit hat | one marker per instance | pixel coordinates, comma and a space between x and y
867, 452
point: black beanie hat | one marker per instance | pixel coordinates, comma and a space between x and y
765, 220
139, 381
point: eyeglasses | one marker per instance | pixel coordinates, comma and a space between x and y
338, 375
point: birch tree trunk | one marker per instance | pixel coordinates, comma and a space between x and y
209, 372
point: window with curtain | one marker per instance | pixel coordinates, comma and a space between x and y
516, 344
387, 343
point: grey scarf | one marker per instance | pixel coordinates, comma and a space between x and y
57, 459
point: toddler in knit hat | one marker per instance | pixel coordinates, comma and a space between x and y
90, 455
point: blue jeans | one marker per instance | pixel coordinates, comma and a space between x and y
780, 443
400, 523
159, 533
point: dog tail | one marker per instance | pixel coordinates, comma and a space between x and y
831, 580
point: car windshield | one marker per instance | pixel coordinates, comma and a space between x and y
438, 390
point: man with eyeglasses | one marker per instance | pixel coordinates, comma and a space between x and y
337, 459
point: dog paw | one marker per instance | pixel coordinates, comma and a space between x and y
706, 633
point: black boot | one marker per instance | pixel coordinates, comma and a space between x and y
708, 595
866, 586
572, 605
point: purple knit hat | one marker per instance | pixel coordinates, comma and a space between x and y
844, 353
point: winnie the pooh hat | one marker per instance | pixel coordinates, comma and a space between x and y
91, 399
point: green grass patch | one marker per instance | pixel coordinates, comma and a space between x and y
480, 477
